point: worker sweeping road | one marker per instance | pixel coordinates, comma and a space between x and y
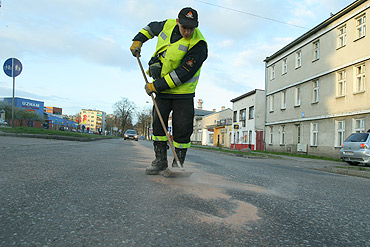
175, 69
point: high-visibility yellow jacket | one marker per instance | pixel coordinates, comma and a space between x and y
171, 56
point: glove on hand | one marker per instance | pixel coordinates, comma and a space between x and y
136, 48
149, 88
155, 70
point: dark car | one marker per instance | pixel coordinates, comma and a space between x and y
356, 149
131, 134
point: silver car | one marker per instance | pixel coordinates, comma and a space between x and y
356, 149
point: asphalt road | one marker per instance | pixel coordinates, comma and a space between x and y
64, 193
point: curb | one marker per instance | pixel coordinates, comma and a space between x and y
56, 137
362, 174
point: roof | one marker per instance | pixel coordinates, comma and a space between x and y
245, 95
316, 29
200, 112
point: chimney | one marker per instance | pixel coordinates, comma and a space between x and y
214, 110
200, 104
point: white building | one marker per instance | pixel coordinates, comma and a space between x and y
317, 88
248, 120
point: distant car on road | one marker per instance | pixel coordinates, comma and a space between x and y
356, 149
3, 123
131, 134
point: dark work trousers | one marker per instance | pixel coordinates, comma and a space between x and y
182, 118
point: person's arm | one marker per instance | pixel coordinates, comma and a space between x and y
190, 64
150, 31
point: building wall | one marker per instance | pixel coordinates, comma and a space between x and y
246, 134
334, 114
213, 128
27, 104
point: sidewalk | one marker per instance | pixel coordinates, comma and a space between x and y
338, 167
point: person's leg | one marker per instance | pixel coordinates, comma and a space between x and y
160, 162
182, 123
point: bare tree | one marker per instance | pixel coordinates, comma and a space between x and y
144, 122
123, 111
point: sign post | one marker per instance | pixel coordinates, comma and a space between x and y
12, 68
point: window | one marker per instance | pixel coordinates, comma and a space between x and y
282, 134
316, 50
342, 36
339, 130
297, 96
283, 100
285, 66
271, 135
235, 115
298, 127
314, 133
360, 78
361, 27
298, 59
315, 91
242, 116
245, 137
271, 97
359, 125
251, 112
272, 72
341, 83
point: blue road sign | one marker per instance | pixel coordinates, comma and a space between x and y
12, 67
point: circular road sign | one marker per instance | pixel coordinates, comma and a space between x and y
12, 67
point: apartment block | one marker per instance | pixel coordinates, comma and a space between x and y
248, 120
317, 87
93, 119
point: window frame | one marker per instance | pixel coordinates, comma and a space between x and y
360, 27
273, 72
299, 133
271, 135
298, 59
282, 134
315, 91
358, 129
284, 67
342, 36
361, 76
341, 83
283, 100
314, 133
298, 96
251, 113
316, 50
340, 129
271, 103
243, 117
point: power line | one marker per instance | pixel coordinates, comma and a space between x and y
254, 15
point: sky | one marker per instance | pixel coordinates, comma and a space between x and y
75, 53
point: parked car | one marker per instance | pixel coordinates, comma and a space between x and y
131, 134
3, 123
356, 149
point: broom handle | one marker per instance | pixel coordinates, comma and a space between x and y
160, 116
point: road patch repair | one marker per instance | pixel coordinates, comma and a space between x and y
211, 191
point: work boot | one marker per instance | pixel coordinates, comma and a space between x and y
160, 163
181, 153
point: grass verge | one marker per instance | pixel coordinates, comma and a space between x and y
265, 153
38, 131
